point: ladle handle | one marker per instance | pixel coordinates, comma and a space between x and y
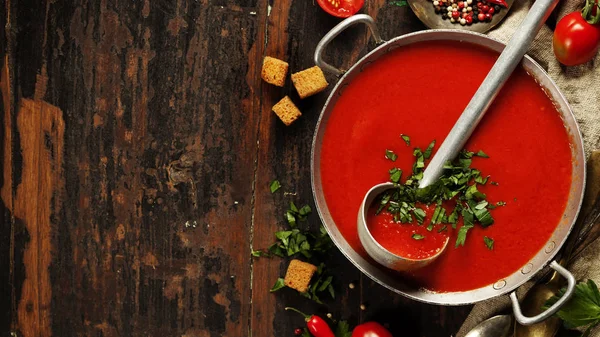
335, 31
524, 320
498, 75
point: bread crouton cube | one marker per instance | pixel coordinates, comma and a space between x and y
286, 111
309, 81
274, 71
298, 275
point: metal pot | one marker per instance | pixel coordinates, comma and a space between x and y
390, 280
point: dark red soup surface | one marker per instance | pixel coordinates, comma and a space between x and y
413, 91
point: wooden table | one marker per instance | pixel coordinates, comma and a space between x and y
138, 146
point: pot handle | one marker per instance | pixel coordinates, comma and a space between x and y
524, 320
335, 31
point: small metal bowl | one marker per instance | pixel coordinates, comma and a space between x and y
376, 250
424, 11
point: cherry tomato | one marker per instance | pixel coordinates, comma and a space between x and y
371, 329
341, 8
576, 41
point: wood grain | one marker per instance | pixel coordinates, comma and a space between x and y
138, 145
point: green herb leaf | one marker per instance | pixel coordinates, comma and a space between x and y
583, 309
429, 150
389, 154
274, 186
399, 3
304, 211
342, 329
278, 285
418, 236
259, 253
305, 333
489, 242
404, 137
482, 154
419, 215
293, 207
291, 218
443, 228
395, 175
462, 235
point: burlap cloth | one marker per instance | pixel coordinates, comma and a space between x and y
581, 87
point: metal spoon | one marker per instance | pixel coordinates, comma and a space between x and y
508, 60
497, 326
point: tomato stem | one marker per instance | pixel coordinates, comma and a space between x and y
591, 12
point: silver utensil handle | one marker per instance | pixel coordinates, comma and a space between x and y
335, 31
524, 320
507, 62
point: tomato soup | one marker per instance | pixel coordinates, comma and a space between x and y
420, 90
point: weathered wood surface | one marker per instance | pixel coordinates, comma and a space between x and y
137, 148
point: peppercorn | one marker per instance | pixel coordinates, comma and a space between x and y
298, 331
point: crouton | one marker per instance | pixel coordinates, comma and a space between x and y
274, 71
298, 275
309, 81
286, 111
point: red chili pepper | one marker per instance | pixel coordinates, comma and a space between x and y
315, 324
371, 329
498, 2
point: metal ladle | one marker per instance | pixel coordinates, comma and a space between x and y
508, 60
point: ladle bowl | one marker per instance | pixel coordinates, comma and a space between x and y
379, 253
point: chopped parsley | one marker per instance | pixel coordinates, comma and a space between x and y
489, 242
406, 139
389, 154
418, 236
274, 186
458, 186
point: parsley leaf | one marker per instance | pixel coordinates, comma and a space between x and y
405, 138
395, 175
489, 242
389, 154
274, 186
399, 3
418, 236
343, 329
259, 253
280, 283
429, 150
583, 309
482, 154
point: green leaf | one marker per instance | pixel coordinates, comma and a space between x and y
389, 154
404, 137
274, 186
429, 150
399, 3
259, 253
331, 291
583, 309
342, 329
395, 175
305, 333
293, 207
419, 215
489, 242
291, 218
280, 283
462, 235
482, 154
305, 210
418, 236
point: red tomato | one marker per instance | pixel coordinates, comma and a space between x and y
370, 329
575, 41
341, 8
